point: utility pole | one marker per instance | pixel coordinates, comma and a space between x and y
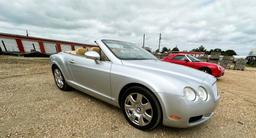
159, 43
143, 41
27, 33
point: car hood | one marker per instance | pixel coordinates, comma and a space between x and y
173, 70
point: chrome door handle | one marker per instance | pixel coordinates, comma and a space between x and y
71, 61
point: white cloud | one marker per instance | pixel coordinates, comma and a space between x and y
213, 23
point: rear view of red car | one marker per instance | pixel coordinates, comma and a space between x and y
190, 61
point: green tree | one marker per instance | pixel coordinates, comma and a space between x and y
199, 49
209, 52
229, 52
164, 49
217, 50
202, 49
176, 49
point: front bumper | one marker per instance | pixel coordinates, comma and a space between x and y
219, 73
191, 113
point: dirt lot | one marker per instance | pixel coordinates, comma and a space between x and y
32, 106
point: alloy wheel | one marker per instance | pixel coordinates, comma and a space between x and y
58, 78
138, 109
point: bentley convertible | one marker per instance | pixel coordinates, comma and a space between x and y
150, 92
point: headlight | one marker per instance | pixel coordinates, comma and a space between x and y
189, 93
202, 93
219, 67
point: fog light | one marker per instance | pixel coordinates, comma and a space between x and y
174, 117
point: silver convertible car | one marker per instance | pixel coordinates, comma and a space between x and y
149, 92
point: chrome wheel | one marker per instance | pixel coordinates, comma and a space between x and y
138, 109
58, 78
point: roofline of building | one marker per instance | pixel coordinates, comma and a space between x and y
15, 36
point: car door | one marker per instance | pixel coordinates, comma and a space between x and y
191, 63
92, 76
179, 59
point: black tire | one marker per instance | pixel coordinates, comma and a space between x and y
65, 86
156, 119
206, 70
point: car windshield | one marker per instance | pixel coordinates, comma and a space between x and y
128, 51
193, 59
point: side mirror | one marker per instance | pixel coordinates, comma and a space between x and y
92, 55
186, 60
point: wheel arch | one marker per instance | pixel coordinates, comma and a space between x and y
122, 92
205, 67
54, 66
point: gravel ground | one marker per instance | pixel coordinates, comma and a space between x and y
32, 106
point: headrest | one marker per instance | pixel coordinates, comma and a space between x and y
96, 49
81, 51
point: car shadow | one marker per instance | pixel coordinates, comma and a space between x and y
96, 100
117, 110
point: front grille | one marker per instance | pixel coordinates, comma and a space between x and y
195, 118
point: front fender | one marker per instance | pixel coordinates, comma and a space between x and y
59, 61
122, 75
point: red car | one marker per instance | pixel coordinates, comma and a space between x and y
190, 61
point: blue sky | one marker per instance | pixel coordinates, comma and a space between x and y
226, 24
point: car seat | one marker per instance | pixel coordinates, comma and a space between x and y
96, 49
81, 51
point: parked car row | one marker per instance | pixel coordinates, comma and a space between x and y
149, 91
